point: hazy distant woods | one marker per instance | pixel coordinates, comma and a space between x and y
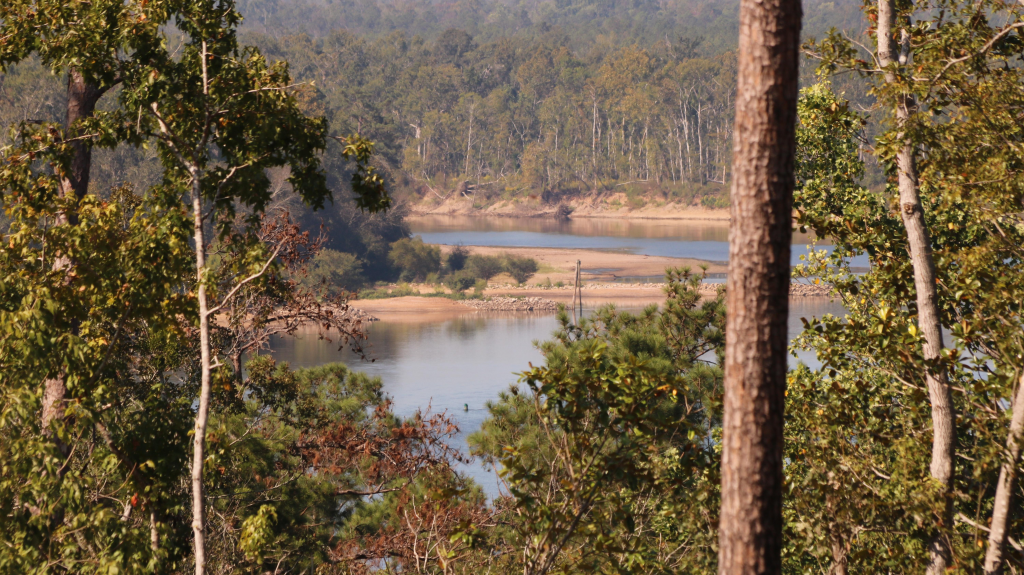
544, 99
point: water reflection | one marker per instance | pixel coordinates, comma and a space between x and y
692, 230
464, 361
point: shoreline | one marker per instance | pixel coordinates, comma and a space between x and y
559, 264
600, 209
424, 309
628, 215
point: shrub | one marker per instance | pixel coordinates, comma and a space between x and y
715, 201
460, 281
520, 268
336, 271
457, 258
414, 258
484, 267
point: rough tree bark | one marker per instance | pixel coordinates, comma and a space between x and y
1005, 487
891, 57
750, 529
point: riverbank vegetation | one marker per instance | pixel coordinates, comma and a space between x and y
458, 270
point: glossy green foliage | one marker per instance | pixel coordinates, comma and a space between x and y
90, 37
101, 293
111, 329
859, 429
263, 472
224, 120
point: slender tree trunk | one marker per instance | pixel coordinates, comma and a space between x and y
1005, 487
840, 562
700, 148
593, 143
757, 292
202, 417
469, 139
928, 319
236, 366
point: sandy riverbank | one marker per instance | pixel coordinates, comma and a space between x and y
419, 309
558, 264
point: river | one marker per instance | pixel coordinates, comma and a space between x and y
698, 239
458, 364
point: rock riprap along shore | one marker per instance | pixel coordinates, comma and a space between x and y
358, 314
796, 289
511, 304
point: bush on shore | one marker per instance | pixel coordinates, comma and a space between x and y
412, 260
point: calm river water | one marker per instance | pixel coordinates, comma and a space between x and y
467, 360
703, 240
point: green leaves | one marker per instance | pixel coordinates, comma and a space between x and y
610, 456
366, 182
257, 533
858, 429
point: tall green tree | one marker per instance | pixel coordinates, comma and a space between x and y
610, 451
94, 45
876, 351
222, 116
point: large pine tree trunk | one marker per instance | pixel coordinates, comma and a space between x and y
928, 318
750, 530
1002, 505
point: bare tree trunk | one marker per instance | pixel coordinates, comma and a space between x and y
919, 243
757, 292
202, 417
593, 142
154, 535
469, 138
1005, 487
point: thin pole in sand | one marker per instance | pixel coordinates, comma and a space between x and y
576, 289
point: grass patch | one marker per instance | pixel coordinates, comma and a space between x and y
403, 290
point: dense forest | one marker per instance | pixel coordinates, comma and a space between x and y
566, 100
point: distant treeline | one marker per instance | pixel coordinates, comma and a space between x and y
586, 22
535, 99
522, 116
